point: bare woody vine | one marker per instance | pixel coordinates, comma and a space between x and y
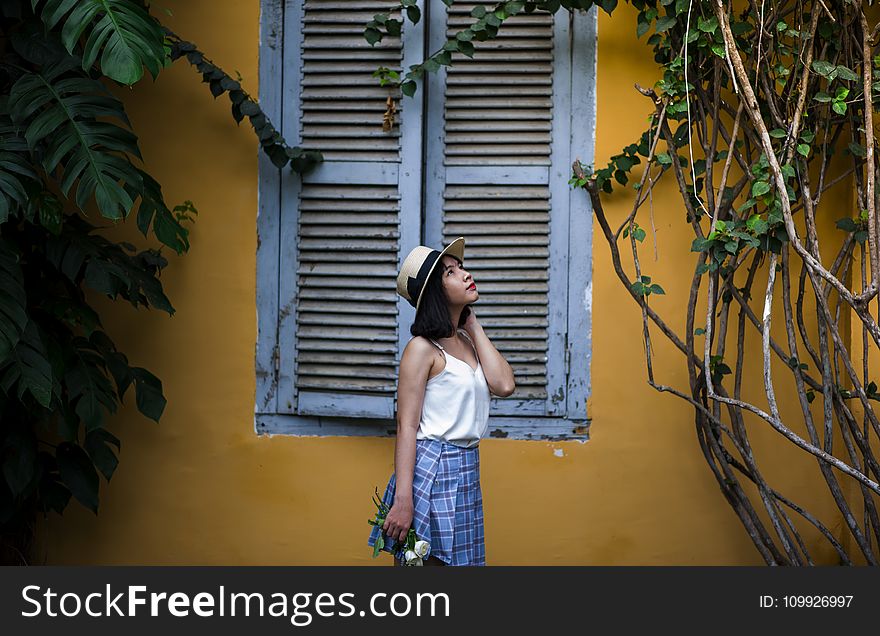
761, 109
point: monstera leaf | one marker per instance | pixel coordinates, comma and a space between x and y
125, 36
153, 211
59, 114
14, 164
88, 385
13, 313
28, 367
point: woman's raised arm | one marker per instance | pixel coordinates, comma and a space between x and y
498, 372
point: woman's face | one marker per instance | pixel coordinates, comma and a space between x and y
457, 282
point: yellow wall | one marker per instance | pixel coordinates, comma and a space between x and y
202, 488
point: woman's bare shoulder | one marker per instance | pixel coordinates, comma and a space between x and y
419, 347
418, 357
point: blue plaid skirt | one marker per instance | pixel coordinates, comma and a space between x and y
447, 503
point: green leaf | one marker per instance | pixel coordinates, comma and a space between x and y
478, 11
70, 121
29, 366
845, 74
122, 33
858, 150
719, 50
150, 401
393, 27
760, 188
413, 14
153, 211
663, 158
642, 28
778, 133
803, 149
97, 445
15, 163
513, 7
53, 494
13, 300
822, 97
700, 244
408, 88
823, 68
51, 213
665, 23
372, 35
699, 331
707, 26
466, 48
90, 390
656, 289
19, 457
757, 225
839, 107
78, 474
846, 224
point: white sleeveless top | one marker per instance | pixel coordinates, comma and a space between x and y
456, 405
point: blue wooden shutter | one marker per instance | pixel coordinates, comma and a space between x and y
498, 150
342, 227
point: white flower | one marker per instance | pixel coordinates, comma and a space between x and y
422, 548
417, 562
410, 556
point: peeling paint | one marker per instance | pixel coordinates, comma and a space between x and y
588, 297
559, 452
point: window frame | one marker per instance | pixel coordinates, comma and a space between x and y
276, 245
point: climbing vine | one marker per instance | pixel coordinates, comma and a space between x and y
759, 109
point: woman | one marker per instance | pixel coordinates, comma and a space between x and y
446, 374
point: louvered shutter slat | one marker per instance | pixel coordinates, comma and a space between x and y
348, 235
495, 187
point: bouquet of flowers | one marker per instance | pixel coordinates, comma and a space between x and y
414, 549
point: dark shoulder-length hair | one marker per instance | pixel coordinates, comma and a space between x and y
432, 318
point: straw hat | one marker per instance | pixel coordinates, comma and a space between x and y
418, 266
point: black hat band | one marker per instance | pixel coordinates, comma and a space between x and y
414, 285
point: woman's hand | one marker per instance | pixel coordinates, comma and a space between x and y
398, 521
471, 321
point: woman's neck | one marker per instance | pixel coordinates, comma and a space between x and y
454, 315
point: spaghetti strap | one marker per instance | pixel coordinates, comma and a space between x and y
473, 346
437, 344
